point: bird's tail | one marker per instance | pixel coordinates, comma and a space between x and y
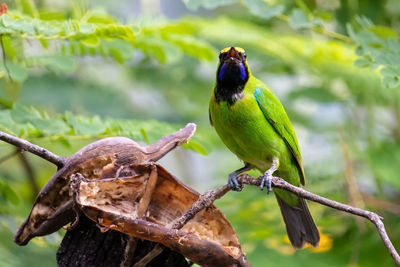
300, 225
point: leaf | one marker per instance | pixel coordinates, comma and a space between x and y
85, 126
164, 51
7, 124
383, 32
196, 48
28, 122
326, 16
22, 117
177, 28
50, 126
299, 20
361, 62
359, 51
390, 76
379, 47
57, 63
120, 50
86, 28
14, 71
262, 9
390, 82
23, 114
391, 71
196, 147
29, 7
9, 48
194, 5
8, 193
7, 21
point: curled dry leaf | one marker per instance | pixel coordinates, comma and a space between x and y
125, 204
53, 207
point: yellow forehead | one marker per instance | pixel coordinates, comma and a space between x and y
239, 49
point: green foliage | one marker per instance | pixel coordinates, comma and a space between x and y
263, 9
7, 194
299, 20
94, 33
378, 47
29, 123
209, 4
32, 28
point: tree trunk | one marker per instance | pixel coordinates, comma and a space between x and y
87, 246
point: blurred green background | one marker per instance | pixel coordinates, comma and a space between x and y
76, 71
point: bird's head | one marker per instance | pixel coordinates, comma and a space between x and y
233, 68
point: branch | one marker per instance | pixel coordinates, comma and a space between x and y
34, 149
6, 157
30, 174
210, 196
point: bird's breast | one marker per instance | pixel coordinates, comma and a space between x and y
245, 131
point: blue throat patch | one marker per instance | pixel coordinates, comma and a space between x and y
231, 80
227, 72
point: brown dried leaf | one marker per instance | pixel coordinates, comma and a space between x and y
53, 206
208, 239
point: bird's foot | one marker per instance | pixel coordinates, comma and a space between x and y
233, 183
266, 181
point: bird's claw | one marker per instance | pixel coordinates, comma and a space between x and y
266, 181
233, 183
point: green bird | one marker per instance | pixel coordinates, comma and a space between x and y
253, 124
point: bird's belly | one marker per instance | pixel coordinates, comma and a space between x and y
246, 132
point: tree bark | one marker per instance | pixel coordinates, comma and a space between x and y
86, 245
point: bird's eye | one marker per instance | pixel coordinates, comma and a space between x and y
220, 56
244, 56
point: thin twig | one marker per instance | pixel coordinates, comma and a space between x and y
210, 196
158, 248
205, 200
12, 154
321, 30
353, 193
143, 206
34, 149
130, 248
381, 204
30, 173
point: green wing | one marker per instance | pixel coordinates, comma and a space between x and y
277, 117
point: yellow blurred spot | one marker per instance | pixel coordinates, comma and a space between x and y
279, 245
39, 241
325, 243
286, 248
248, 247
226, 49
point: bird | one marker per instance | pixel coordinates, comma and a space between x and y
253, 124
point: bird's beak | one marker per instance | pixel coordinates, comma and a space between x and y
232, 54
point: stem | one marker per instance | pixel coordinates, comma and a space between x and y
321, 30
34, 149
210, 196
30, 174
5, 58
